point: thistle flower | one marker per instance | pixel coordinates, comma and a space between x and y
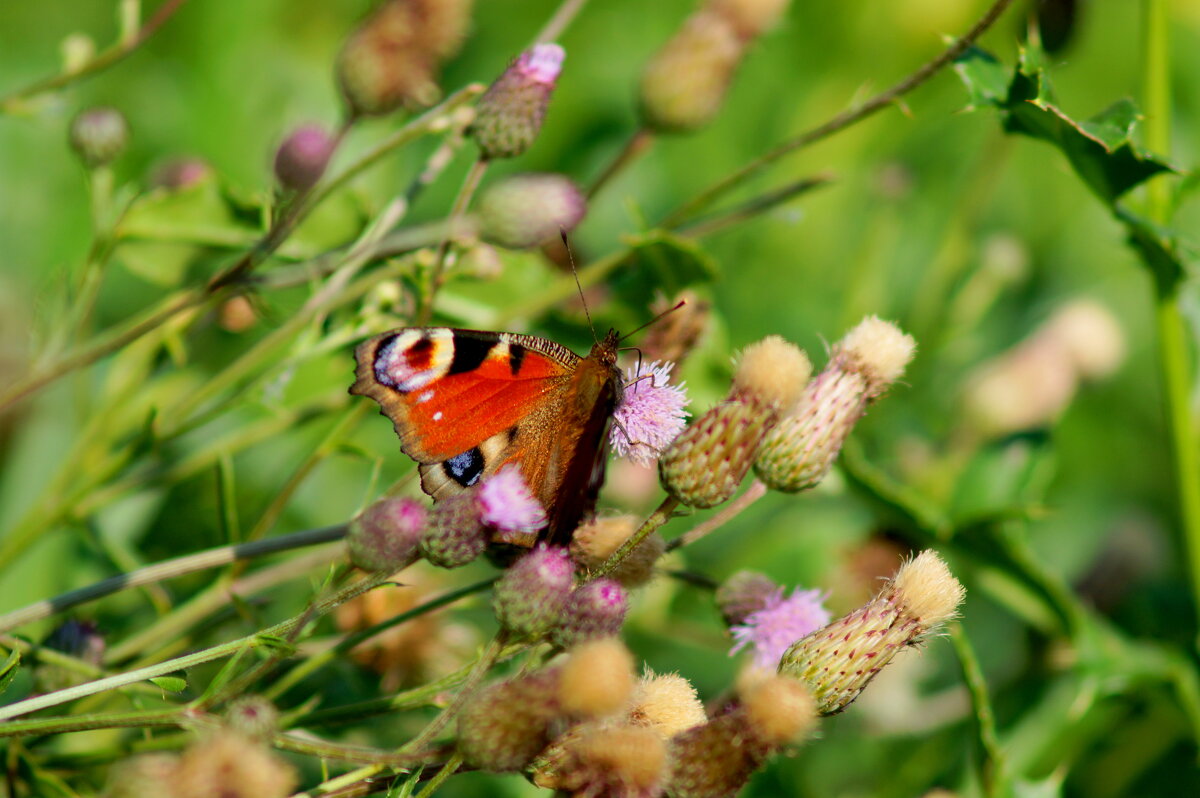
386, 535
595, 609
530, 596
455, 534
524, 211
596, 540
744, 593
302, 157
507, 505
650, 414
509, 115
505, 725
838, 661
782, 621
597, 679
705, 464
604, 760
99, 135
392, 59
667, 704
799, 451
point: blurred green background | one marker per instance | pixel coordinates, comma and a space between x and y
968, 238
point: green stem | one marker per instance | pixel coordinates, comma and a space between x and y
562, 289
657, 518
457, 211
637, 144
106, 720
446, 772
558, 23
842, 120
994, 770
755, 492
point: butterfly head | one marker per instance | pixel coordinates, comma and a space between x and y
605, 350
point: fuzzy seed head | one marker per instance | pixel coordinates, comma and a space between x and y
524, 211
509, 115
744, 593
666, 704
301, 159
505, 725
455, 534
596, 609
772, 372
779, 710
231, 766
837, 662
879, 350
530, 596
597, 679
684, 85
386, 535
705, 464
99, 135
751, 18
596, 540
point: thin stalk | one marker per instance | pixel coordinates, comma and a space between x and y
657, 518
457, 211
755, 492
841, 121
345, 780
756, 206
448, 769
562, 288
352, 753
106, 720
993, 767
637, 144
558, 23
168, 569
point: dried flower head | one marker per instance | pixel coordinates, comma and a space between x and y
99, 135
769, 631
799, 451
302, 157
666, 704
838, 661
524, 211
650, 414
596, 540
509, 115
252, 716
507, 504
597, 679
772, 372
386, 535
530, 597
778, 709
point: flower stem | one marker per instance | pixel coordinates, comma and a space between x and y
637, 144
446, 772
994, 770
563, 16
657, 518
755, 492
461, 202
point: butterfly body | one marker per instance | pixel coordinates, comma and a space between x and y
467, 402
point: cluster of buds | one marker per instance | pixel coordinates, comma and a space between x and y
508, 117
837, 661
684, 85
1033, 383
392, 60
799, 451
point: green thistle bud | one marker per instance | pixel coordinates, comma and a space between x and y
744, 593
529, 599
526, 210
596, 609
704, 466
302, 157
838, 661
455, 535
799, 451
385, 536
505, 725
509, 115
99, 135
684, 85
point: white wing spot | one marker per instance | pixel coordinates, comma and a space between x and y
425, 397
437, 416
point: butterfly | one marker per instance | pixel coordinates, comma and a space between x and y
467, 402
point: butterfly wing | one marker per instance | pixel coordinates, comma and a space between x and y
466, 402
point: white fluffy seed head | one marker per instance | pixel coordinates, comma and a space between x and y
666, 704
773, 372
927, 589
880, 349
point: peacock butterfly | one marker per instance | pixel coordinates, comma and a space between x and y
466, 402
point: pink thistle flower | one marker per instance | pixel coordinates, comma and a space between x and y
773, 629
650, 413
506, 503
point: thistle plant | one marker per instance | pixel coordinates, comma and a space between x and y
220, 573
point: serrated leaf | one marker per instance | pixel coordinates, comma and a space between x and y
8, 671
1159, 249
985, 77
172, 684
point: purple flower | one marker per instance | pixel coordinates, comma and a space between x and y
506, 503
783, 621
542, 62
650, 414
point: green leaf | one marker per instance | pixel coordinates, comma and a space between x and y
275, 642
1159, 248
8, 671
661, 262
172, 684
985, 77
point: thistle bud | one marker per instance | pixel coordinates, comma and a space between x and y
505, 725
684, 85
750, 18
180, 173
596, 540
744, 593
799, 451
705, 464
593, 759
99, 135
253, 717
143, 776
525, 210
386, 535
530, 597
666, 704
597, 679
595, 609
455, 534
393, 58
509, 115
838, 661
232, 766
301, 159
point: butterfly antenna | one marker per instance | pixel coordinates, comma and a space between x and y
678, 305
574, 273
